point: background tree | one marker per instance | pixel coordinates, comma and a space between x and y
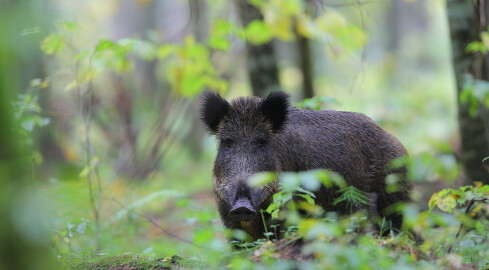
261, 61
467, 19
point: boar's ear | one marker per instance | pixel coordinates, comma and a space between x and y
213, 109
275, 107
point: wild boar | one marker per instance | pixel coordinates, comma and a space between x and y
267, 134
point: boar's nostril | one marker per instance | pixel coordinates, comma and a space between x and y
242, 211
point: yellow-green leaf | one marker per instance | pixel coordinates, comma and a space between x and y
219, 43
257, 32
53, 43
485, 39
37, 158
433, 201
261, 179
70, 25
447, 204
82, 55
71, 85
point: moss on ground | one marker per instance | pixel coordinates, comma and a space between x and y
129, 263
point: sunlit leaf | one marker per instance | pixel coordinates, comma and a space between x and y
82, 55
447, 204
219, 43
289, 182
53, 43
310, 180
257, 32
72, 85
281, 28
485, 39
36, 82
37, 158
222, 28
104, 44
261, 179
190, 86
70, 26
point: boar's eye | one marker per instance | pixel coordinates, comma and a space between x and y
260, 142
227, 143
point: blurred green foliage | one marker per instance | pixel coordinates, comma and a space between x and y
88, 73
24, 236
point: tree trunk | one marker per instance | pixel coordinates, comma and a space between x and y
306, 66
261, 60
467, 19
200, 25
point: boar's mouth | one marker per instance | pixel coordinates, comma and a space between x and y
242, 211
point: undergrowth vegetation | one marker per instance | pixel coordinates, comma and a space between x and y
452, 233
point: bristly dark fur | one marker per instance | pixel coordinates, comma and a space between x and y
213, 109
266, 134
274, 107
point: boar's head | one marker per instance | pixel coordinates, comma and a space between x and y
245, 129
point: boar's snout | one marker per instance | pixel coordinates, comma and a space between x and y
242, 211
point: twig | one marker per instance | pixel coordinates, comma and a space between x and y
90, 151
471, 203
157, 225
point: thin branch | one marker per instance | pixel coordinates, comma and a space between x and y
157, 225
85, 114
471, 203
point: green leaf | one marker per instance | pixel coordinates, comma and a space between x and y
289, 182
222, 28
352, 196
257, 32
73, 84
53, 43
192, 85
36, 158
70, 26
82, 55
261, 179
447, 204
485, 39
483, 189
310, 180
476, 46
257, 3
104, 45
219, 43
86, 170
36, 82
329, 178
